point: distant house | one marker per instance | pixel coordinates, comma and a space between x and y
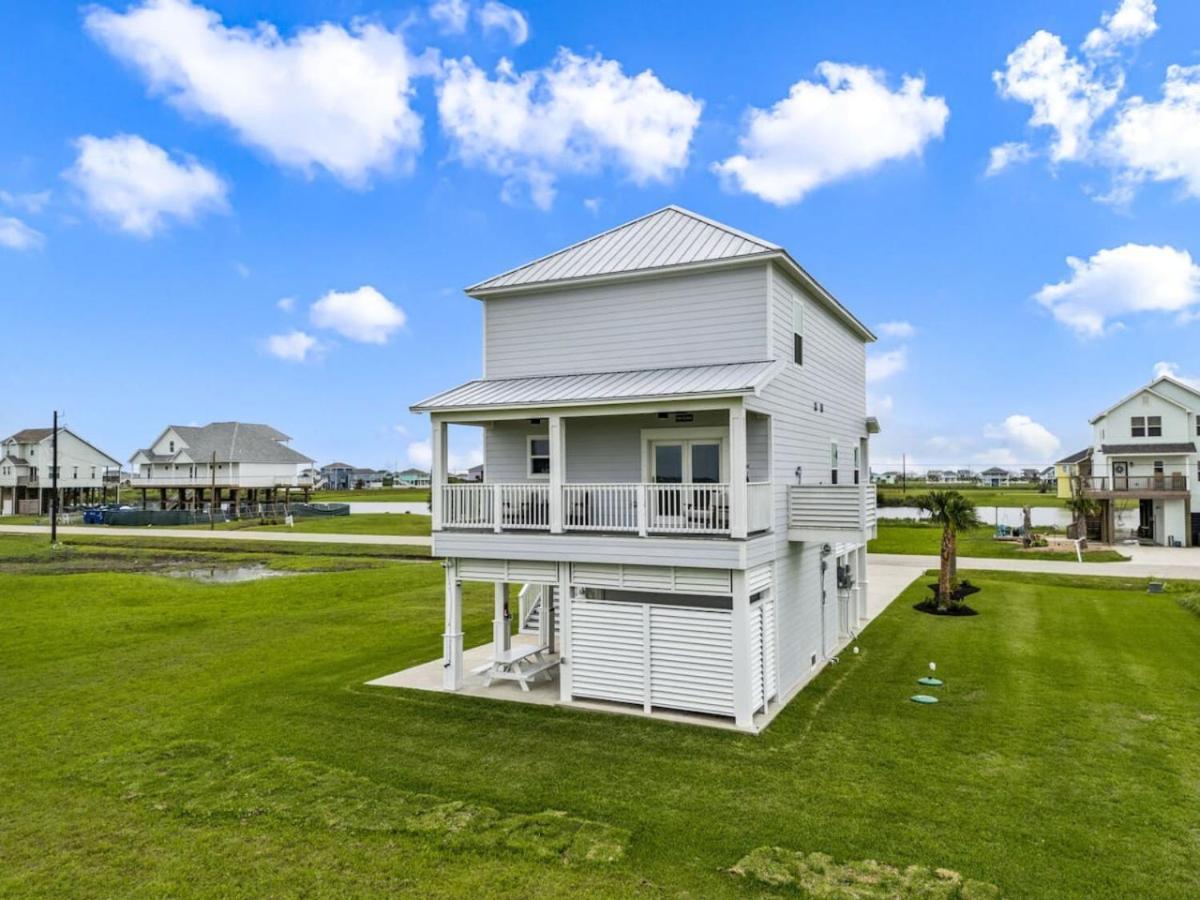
888, 478
1031, 475
1070, 469
965, 476
412, 478
367, 479
338, 476
244, 461
475, 473
934, 476
996, 477
26, 471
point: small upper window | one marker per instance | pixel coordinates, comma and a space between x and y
1154, 426
172, 447
1137, 426
833, 463
539, 456
856, 465
797, 331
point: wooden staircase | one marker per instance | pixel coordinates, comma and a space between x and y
530, 602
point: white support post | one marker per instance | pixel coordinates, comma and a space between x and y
643, 509
452, 638
863, 587
737, 472
546, 619
564, 606
501, 632
438, 475
497, 508
558, 465
743, 657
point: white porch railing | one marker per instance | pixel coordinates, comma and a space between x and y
830, 512
677, 509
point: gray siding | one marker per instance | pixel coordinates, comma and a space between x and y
833, 374
698, 319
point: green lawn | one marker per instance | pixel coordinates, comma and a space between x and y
364, 523
898, 536
894, 495
379, 495
164, 737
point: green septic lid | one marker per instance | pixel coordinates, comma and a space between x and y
931, 681
923, 698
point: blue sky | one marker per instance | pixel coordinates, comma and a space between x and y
354, 164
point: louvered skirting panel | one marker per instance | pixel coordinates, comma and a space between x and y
757, 669
759, 578
691, 659
608, 651
508, 570
666, 579
770, 663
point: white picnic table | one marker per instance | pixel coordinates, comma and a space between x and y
520, 664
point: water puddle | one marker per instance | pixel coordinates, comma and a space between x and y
228, 575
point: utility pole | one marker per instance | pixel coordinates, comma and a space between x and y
212, 500
54, 483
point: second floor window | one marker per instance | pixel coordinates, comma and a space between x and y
1137, 426
797, 332
539, 456
833, 463
1154, 426
856, 465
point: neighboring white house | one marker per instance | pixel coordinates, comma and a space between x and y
996, 477
242, 461
26, 471
1144, 449
676, 452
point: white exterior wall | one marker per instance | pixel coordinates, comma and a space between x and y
833, 374
1178, 426
697, 319
79, 464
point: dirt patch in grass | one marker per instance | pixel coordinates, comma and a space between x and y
206, 782
818, 875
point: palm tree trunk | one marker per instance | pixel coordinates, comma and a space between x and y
944, 576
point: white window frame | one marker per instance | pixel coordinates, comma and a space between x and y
1149, 426
797, 328
835, 463
530, 456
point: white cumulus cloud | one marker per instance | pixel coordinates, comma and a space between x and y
882, 366
1007, 154
1024, 438
847, 124
451, 15
363, 315
1171, 370
295, 346
286, 304
1161, 141
576, 115
898, 329
1128, 279
1132, 22
31, 202
496, 16
16, 235
138, 187
328, 96
420, 454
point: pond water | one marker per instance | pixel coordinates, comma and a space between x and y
1042, 516
227, 575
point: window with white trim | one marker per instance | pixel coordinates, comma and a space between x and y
539, 456
1137, 426
1154, 426
856, 465
833, 462
797, 331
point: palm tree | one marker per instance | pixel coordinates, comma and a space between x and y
1082, 508
953, 512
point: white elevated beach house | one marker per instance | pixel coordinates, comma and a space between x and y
674, 424
243, 462
1144, 450
26, 471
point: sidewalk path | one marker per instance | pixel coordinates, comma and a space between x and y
394, 540
1170, 563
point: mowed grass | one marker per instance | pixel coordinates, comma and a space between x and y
170, 738
980, 495
898, 536
377, 495
405, 524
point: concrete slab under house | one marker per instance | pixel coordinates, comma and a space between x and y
675, 497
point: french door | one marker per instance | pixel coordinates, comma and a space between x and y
690, 462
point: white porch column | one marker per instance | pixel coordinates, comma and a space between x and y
545, 617
438, 444
737, 472
452, 638
743, 658
564, 606
558, 465
501, 632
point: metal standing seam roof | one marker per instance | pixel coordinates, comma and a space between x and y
670, 236
601, 387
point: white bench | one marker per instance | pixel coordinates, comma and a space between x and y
519, 664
